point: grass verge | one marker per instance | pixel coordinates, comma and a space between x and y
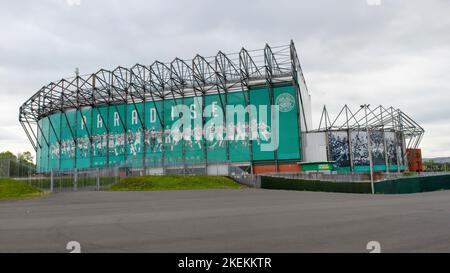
13, 189
174, 182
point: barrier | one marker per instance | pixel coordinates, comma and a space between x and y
280, 183
412, 184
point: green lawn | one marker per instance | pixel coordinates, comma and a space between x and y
174, 182
13, 189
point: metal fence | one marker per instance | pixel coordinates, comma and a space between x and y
13, 167
423, 174
103, 178
75, 180
330, 177
250, 180
353, 177
5, 167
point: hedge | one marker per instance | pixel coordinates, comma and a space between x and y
413, 184
398, 186
280, 183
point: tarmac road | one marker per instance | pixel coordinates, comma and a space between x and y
248, 220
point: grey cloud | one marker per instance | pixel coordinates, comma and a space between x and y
351, 53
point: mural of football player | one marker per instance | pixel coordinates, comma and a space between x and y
198, 133
130, 138
63, 148
72, 147
219, 130
104, 143
123, 140
152, 139
138, 140
117, 143
209, 134
86, 145
159, 139
264, 131
254, 131
230, 131
377, 145
64, 144
99, 144
80, 145
52, 151
187, 133
58, 150
110, 142
146, 137
240, 133
92, 145
176, 136
359, 148
167, 139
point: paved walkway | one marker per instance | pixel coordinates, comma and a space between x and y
247, 220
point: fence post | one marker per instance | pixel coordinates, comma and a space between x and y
97, 179
258, 182
51, 181
75, 180
116, 173
9, 169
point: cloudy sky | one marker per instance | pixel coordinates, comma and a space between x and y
389, 52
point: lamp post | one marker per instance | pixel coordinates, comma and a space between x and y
369, 147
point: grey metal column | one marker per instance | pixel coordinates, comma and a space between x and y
75, 180
97, 179
369, 148
51, 181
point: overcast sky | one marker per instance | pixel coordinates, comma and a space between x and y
389, 52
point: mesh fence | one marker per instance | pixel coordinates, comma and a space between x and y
5, 165
12, 167
103, 178
75, 180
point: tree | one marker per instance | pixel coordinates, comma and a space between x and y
16, 166
7, 154
25, 157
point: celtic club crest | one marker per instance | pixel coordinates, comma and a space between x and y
285, 102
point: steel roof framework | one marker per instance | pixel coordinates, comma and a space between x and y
378, 118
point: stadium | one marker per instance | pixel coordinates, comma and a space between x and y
246, 112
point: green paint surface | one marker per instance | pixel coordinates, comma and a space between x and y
94, 148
